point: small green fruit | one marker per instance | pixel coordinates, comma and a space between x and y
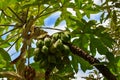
56, 36
36, 54
53, 49
40, 43
44, 49
36, 51
58, 44
66, 50
51, 59
65, 37
47, 41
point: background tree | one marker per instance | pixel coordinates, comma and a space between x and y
57, 56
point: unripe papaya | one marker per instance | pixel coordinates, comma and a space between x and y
58, 44
36, 51
47, 41
40, 43
56, 36
44, 49
66, 50
51, 59
53, 49
65, 37
36, 54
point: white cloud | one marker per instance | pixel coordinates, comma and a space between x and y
99, 2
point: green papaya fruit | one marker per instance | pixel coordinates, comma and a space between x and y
66, 50
51, 59
36, 54
47, 41
56, 36
65, 37
36, 51
44, 49
58, 44
53, 49
40, 43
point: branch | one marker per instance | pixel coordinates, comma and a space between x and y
102, 68
8, 31
51, 28
13, 43
49, 12
9, 39
27, 14
7, 25
42, 12
40, 15
15, 14
5, 14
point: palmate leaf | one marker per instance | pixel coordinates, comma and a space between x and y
92, 46
74, 63
103, 36
84, 64
79, 3
5, 55
5, 3
4, 44
58, 21
99, 46
2, 62
5, 61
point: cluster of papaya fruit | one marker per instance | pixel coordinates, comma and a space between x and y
51, 50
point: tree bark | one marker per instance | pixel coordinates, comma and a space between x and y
102, 68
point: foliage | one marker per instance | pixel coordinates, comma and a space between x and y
21, 24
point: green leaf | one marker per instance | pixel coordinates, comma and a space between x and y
35, 65
99, 45
92, 46
2, 62
84, 64
110, 57
5, 55
58, 21
4, 44
78, 14
5, 3
114, 17
18, 45
62, 1
5, 61
107, 41
74, 63
30, 52
78, 3
118, 64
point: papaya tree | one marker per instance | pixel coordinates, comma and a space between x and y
43, 56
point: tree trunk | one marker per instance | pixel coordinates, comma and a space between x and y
102, 68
